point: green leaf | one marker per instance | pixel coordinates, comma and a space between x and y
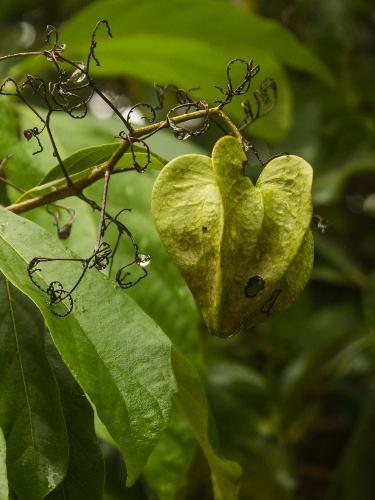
211, 21
81, 163
85, 475
28, 171
238, 246
118, 355
30, 411
86, 158
192, 402
4, 492
169, 463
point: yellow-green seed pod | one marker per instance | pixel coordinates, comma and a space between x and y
245, 251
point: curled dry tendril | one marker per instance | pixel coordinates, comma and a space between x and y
265, 98
69, 91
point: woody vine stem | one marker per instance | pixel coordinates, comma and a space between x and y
70, 92
99, 172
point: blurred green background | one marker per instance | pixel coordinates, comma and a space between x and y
294, 401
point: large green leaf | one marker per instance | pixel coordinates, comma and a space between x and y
4, 493
227, 235
30, 409
192, 402
167, 300
85, 475
213, 21
119, 356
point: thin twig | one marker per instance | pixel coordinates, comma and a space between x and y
107, 176
21, 54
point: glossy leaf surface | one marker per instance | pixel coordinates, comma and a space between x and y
120, 357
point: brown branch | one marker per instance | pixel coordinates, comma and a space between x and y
98, 172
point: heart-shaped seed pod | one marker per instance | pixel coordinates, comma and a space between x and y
245, 251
